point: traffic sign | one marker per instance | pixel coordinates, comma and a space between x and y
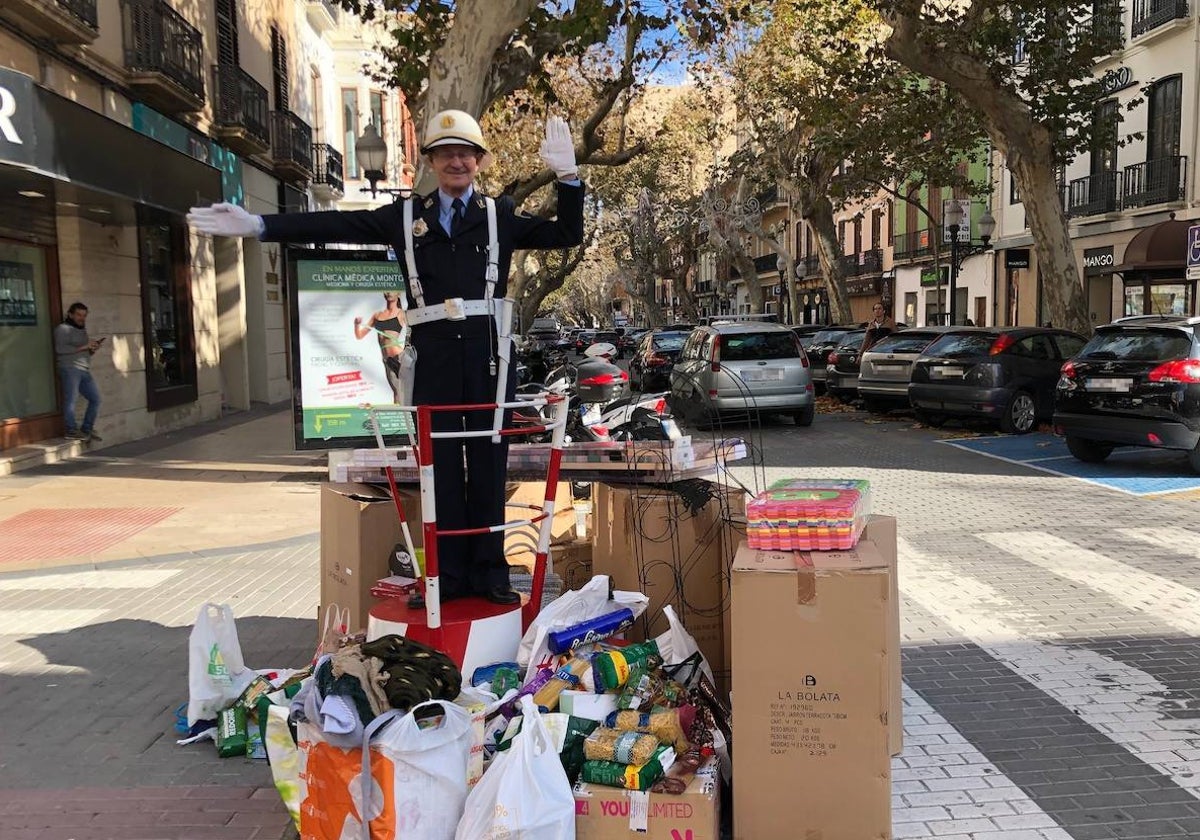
1193, 254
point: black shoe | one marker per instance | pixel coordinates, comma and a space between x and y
502, 595
93, 436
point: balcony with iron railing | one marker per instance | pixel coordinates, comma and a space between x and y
163, 56
1094, 194
767, 264
911, 245
327, 183
291, 146
849, 265
241, 111
61, 21
1149, 15
1155, 182
810, 267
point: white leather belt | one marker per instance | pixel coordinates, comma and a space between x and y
451, 310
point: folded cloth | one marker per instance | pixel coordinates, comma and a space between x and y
368, 670
343, 686
416, 672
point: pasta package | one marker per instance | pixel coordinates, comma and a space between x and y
622, 747
629, 777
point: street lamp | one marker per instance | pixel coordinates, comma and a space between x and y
781, 267
372, 151
960, 251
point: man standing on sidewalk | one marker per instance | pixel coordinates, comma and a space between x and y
74, 351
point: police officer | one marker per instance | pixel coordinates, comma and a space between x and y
453, 236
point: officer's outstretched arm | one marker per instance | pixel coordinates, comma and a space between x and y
353, 227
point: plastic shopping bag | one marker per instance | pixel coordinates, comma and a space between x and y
525, 793
415, 787
574, 607
216, 673
677, 644
285, 760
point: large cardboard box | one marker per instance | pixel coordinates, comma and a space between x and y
647, 540
812, 687
520, 543
881, 531
605, 813
359, 530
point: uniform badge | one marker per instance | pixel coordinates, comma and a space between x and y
420, 228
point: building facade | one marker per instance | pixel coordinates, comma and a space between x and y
1122, 201
119, 117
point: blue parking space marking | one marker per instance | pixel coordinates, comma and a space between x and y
1133, 470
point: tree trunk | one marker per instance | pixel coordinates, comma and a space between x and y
458, 70
1027, 147
817, 213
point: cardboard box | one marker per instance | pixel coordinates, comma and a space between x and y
573, 563
648, 541
605, 813
881, 530
812, 686
519, 543
359, 530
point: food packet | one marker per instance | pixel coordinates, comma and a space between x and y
629, 777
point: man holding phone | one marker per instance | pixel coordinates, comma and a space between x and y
74, 350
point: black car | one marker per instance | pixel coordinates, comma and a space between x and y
1005, 374
842, 366
1136, 383
650, 367
631, 338
583, 340
818, 346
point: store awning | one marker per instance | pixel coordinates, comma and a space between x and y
1160, 247
48, 134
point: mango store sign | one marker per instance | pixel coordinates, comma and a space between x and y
16, 117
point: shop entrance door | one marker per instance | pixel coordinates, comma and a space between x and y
29, 310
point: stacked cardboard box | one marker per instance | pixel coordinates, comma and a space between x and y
359, 531
605, 813
648, 541
816, 690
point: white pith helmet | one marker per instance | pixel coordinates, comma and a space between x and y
455, 128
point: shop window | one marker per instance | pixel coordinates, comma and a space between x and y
27, 386
166, 310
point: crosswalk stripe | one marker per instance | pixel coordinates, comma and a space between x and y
1137, 589
114, 579
41, 622
1123, 702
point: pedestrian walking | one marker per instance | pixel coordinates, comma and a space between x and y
73, 349
455, 247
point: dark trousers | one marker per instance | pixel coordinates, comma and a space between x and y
469, 493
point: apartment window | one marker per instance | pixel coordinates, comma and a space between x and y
227, 33
279, 70
1014, 192
166, 309
350, 130
1104, 137
858, 248
876, 228
1166, 116
377, 113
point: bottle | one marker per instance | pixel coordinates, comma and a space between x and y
567, 676
611, 668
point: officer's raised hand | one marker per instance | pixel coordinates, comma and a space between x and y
558, 150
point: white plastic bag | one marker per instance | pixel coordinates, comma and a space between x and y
573, 607
677, 644
525, 793
415, 787
216, 673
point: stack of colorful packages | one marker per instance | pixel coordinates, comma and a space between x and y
618, 717
804, 514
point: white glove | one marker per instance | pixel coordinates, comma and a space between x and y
225, 220
558, 150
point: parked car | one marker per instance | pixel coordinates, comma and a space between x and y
1005, 374
807, 331
1136, 383
841, 367
742, 368
819, 346
607, 337
631, 339
545, 324
653, 359
884, 370
584, 340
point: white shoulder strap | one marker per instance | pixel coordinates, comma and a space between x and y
410, 257
493, 266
